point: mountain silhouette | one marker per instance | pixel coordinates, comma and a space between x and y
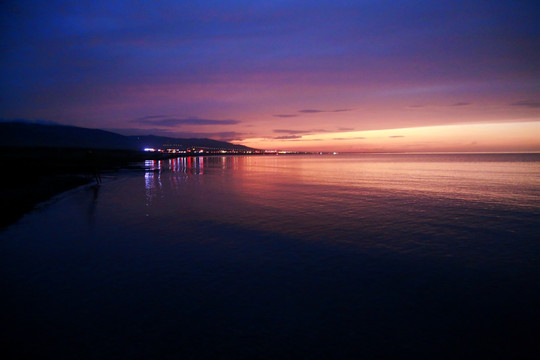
23, 134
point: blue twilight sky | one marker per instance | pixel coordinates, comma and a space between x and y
271, 73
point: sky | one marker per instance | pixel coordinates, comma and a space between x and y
290, 75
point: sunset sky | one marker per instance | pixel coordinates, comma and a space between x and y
291, 75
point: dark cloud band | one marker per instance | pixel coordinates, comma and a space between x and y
158, 120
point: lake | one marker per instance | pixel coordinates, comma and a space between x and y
300, 256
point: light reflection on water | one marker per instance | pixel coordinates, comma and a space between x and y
350, 256
366, 200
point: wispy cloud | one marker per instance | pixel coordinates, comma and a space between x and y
351, 138
142, 132
527, 103
286, 131
314, 111
461, 104
285, 115
151, 117
288, 137
227, 135
396, 136
31, 121
220, 135
303, 132
166, 121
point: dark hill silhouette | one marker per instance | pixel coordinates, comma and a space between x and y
47, 159
21, 134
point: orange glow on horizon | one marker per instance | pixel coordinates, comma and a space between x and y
496, 137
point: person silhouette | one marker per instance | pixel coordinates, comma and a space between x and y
93, 166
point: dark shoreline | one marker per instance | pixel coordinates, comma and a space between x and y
35, 175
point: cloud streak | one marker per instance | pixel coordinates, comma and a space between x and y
288, 137
286, 131
315, 111
351, 138
31, 121
161, 120
303, 132
527, 103
218, 135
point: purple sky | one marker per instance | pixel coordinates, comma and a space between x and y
274, 71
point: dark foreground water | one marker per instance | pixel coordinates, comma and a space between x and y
347, 256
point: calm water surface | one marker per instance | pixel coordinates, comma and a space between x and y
347, 256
